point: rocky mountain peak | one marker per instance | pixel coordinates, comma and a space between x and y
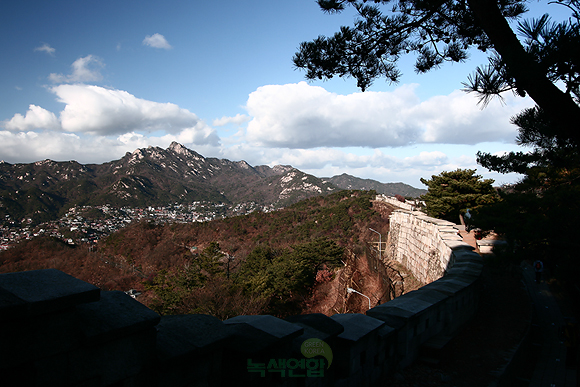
181, 150
177, 148
282, 169
154, 176
243, 164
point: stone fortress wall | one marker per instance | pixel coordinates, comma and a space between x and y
58, 330
395, 202
422, 244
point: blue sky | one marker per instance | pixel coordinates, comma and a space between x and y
92, 80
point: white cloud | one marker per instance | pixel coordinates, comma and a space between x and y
46, 48
457, 119
304, 116
362, 134
156, 41
237, 120
104, 112
375, 164
34, 146
87, 69
132, 137
36, 117
435, 158
320, 159
31, 146
96, 110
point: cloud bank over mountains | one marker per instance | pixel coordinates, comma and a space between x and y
98, 111
298, 124
304, 116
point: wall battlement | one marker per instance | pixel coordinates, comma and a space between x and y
58, 330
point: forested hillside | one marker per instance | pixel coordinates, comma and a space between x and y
256, 263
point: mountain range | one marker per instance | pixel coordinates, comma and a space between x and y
43, 190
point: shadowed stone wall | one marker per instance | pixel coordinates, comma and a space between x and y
424, 245
56, 330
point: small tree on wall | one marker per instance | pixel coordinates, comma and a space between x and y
451, 194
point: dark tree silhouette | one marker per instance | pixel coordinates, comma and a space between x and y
443, 31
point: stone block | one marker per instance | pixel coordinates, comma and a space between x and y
44, 291
318, 325
486, 246
450, 237
446, 286
431, 295
11, 307
357, 348
114, 316
315, 325
356, 326
467, 256
491, 242
467, 274
254, 334
257, 340
469, 265
412, 312
387, 356
411, 303
456, 245
25, 340
273, 326
189, 349
113, 361
456, 280
394, 318
387, 332
190, 335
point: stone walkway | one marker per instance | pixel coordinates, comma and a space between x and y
469, 238
550, 369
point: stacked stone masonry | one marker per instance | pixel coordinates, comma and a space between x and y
56, 330
424, 245
395, 202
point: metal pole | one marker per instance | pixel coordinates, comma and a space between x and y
380, 243
351, 290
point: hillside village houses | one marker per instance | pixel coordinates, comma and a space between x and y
75, 228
